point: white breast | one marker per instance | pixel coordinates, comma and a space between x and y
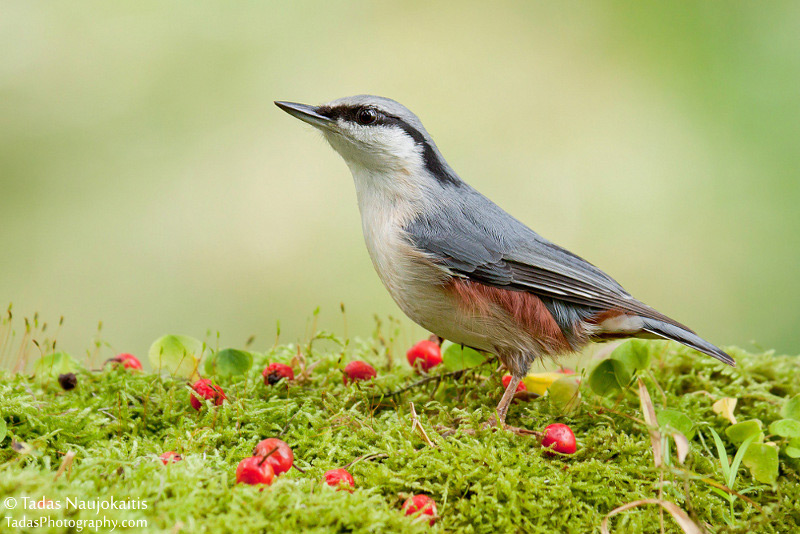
410, 277
416, 283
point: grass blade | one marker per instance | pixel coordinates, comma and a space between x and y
738, 459
723, 455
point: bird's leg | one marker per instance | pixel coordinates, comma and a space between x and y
502, 411
505, 400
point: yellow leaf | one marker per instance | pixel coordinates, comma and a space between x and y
725, 407
539, 382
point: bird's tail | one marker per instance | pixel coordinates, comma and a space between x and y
687, 337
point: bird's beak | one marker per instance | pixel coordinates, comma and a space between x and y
305, 113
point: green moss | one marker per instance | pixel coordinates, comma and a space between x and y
118, 422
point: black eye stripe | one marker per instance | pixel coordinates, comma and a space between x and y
433, 162
339, 112
350, 114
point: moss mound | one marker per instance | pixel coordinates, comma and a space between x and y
118, 422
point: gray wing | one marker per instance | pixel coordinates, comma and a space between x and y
475, 239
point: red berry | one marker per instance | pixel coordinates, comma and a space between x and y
281, 457
424, 355
254, 470
507, 380
358, 370
275, 371
421, 504
129, 361
559, 438
340, 479
170, 457
204, 389
565, 371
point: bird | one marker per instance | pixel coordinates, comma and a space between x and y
459, 265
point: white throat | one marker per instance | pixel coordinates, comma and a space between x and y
387, 201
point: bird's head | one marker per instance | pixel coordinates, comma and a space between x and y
377, 136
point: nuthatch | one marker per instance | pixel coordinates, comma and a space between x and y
460, 266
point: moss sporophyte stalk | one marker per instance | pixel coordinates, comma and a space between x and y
654, 429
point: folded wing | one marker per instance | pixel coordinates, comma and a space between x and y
475, 239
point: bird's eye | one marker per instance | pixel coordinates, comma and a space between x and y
366, 116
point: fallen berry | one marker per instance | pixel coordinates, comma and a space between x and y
254, 470
340, 479
425, 355
274, 372
206, 390
559, 438
128, 361
170, 457
422, 505
68, 381
520, 386
280, 454
358, 370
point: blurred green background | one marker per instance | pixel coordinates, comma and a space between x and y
147, 180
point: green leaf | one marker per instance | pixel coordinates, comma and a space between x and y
177, 355
634, 353
791, 410
55, 364
3, 429
741, 431
787, 428
565, 395
603, 379
455, 357
623, 372
762, 460
792, 450
228, 362
673, 419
